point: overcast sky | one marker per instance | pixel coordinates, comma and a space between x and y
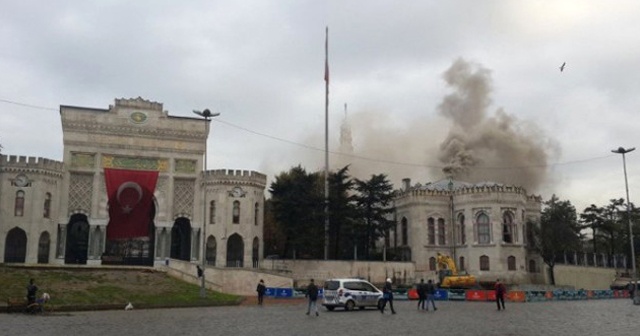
261, 64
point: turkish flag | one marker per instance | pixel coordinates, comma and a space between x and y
130, 194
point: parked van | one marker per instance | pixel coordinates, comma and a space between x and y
350, 293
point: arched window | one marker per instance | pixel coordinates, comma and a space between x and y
484, 263
256, 214
405, 232
483, 228
432, 264
18, 208
441, 232
511, 263
212, 212
462, 267
508, 227
236, 212
461, 229
431, 231
532, 266
47, 206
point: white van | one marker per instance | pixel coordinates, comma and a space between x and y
350, 293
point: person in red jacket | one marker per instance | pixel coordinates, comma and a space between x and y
500, 292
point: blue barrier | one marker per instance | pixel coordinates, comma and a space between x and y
441, 295
270, 291
560, 294
284, 292
536, 296
602, 294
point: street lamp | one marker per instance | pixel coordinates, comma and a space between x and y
620, 150
206, 114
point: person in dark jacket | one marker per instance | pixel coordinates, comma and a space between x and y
500, 291
32, 289
421, 294
430, 290
261, 289
387, 296
312, 294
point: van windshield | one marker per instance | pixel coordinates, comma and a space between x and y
331, 285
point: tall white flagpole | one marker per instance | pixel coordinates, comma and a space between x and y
326, 144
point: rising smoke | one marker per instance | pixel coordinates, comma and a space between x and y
482, 146
464, 141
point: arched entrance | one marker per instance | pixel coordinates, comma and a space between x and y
77, 240
181, 239
131, 249
235, 251
43, 248
15, 247
211, 250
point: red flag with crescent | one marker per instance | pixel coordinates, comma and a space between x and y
130, 194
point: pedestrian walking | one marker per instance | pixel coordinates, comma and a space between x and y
500, 291
387, 297
312, 294
261, 289
421, 294
430, 289
32, 289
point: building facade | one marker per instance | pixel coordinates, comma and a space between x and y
482, 227
55, 212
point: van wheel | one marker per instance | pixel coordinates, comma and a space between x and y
330, 308
349, 306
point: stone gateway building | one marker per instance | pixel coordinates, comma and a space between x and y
482, 227
130, 190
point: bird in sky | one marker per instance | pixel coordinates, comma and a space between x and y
562, 66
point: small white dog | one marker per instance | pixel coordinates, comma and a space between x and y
46, 297
129, 306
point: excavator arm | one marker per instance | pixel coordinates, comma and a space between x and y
445, 262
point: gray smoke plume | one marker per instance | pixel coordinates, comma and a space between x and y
473, 144
485, 147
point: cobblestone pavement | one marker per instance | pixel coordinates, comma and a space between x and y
597, 317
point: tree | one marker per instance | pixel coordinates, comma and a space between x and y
342, 213
298, 212
374, 198
558, 231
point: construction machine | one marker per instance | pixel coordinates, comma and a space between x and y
449, 277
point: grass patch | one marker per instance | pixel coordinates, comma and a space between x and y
71, 287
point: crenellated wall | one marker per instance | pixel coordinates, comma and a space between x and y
14, 163
236, 176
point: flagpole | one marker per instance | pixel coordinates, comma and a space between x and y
326, 144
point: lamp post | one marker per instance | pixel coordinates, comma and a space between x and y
207, 115
623, 151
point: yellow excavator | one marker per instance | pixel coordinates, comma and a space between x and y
449, 277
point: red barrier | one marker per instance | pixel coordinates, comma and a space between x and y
475, 295
621, 293
412, 294
516, 296
491, 295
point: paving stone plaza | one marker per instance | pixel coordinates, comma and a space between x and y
598, 317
